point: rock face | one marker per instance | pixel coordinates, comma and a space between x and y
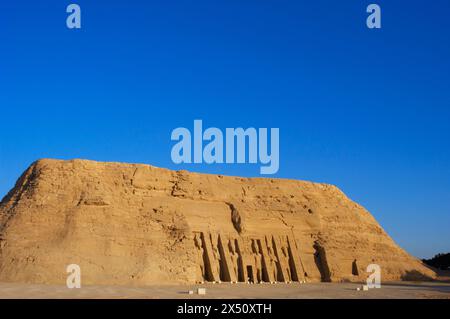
129, 224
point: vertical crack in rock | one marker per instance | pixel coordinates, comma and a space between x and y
236, 218
321, 262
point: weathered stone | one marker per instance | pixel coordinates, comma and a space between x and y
138, 224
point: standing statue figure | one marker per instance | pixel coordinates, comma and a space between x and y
199, 251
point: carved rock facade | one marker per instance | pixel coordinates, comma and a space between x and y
130, 224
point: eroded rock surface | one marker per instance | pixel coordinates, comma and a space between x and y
131, 224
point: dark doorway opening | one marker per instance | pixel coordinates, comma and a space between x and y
250, 274
355, 271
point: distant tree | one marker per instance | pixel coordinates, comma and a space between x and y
440, 261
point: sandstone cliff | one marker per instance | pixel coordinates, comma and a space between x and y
132, 224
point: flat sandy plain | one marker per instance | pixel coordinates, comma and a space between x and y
400, 290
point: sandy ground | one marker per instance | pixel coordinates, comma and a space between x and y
232, 291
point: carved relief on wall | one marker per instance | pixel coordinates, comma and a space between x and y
272, 258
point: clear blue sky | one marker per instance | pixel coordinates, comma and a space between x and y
366, 110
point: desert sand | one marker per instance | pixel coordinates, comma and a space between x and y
395, 290
137, 225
